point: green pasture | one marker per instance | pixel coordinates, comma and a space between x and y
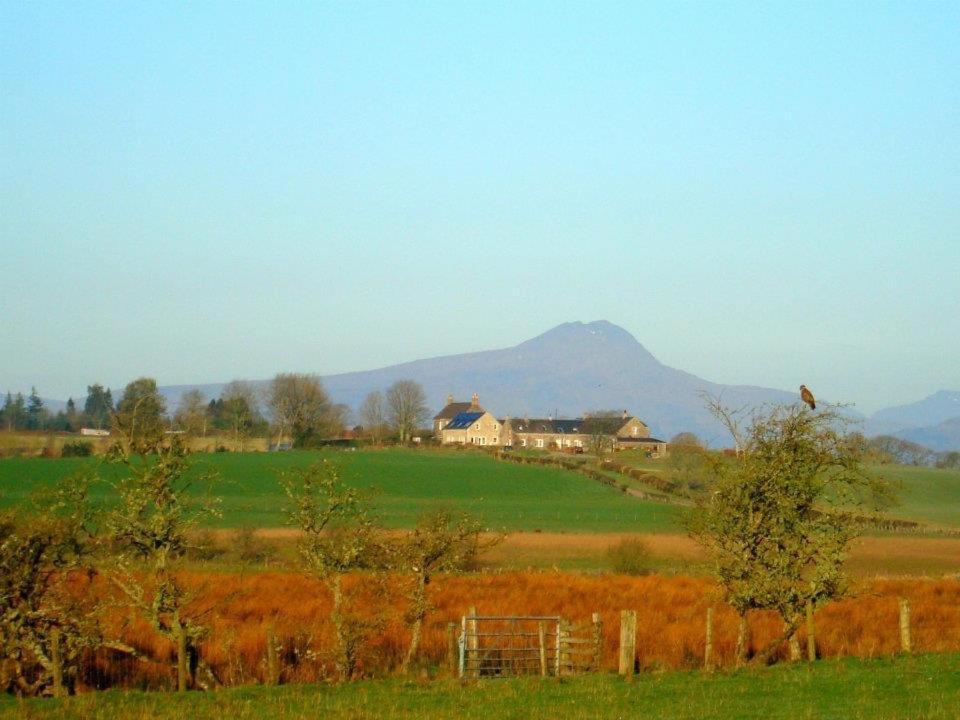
401, 484
900, 688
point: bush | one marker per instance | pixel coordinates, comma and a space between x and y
78, 448
250, 548
205, 547
630, 556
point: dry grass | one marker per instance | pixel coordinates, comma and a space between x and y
671, 609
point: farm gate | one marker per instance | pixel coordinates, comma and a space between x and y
494, 646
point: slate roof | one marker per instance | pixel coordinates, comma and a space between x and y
577, 426
452, 410
462, 421
639, 440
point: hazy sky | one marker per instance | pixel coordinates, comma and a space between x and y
760, 193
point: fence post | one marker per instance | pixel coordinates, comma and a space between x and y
905, 625
452, 647
542, 639
463, 646
597, 641
473, 644
556, 658
181, 658
273, 668
708, 646
628, 642
811, 638
57, 662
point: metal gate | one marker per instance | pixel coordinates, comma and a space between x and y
493, 646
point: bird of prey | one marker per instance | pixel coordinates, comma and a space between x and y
807, 397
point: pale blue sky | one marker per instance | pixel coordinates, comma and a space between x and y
761, 193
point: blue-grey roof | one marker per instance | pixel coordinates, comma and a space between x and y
461, 421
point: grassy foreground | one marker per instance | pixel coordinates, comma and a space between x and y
925, 687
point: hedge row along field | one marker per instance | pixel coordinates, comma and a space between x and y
670, 635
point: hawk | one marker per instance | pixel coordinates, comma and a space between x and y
807, 397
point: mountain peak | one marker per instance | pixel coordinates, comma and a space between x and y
591, 338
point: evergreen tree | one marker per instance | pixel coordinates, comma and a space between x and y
98, 406
36, 414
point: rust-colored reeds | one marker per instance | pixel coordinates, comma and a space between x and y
670, 629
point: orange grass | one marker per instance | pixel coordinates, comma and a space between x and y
240, 609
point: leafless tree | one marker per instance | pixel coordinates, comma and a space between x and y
302, 408
192, 415
373, 416
407, 407
241, 408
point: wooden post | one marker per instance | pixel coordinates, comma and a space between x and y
452, 652
597, 641
905, 625
556, 657
542, 639
563, 654
811, 638
708, 647
463, 646
181, 658
628, 642
473, 645
273, 667
57, 662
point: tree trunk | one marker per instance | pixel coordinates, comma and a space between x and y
342, 661
789, 628
419, 608
740, 653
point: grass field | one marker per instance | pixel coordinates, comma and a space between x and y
902, 688
403, 483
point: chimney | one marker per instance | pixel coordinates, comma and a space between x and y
474, 402
625, 416
449, 399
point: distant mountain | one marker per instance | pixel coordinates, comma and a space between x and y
944, 436
931, 411
565, 371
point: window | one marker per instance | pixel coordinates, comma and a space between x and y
523, 442
477, 426
635, 430
494, 441
539, 442
578, 443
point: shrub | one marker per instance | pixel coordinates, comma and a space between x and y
250, 548
78, 448
630, 556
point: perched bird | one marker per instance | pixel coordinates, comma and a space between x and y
808, 397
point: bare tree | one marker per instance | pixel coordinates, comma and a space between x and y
150, 528
439, 543
241, 409
407, 407
373, 416
338, 536
192, 413
302, 408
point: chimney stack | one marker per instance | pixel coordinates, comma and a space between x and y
625, 416
474, 402
449, 399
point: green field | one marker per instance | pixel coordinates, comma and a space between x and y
904, 688
402, 484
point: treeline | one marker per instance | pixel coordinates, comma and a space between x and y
292, 408
30, 413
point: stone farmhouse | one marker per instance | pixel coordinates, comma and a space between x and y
469, 424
